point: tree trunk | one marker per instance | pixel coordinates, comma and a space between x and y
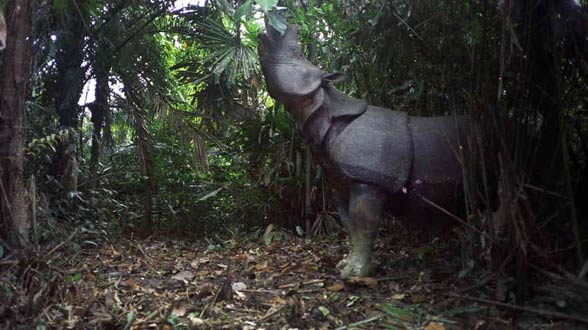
543, 71
68, 89
143, 138
99, 109
16, 70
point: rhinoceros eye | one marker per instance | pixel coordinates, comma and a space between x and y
294, 50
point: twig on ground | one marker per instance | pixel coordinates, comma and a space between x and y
145, 256
61, 244
151, 316
489, 277
260, 291
220, 290
291, 285
362, 322
393, 278
271, 313
308, 290
8, 262
541, 312
240, 309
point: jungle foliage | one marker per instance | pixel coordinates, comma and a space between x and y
152, 116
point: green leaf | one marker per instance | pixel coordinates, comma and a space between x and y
266, 5
246, 9
172, 319
130, 319
73, 278
1, 251
277, 21
42, 325
324, 310
58, 5
335, 297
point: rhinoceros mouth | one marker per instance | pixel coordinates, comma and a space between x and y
273, 37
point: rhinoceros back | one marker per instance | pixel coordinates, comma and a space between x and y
374, 148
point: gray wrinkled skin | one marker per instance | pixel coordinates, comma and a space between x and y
377, 160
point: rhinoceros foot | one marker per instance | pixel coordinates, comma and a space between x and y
355, 265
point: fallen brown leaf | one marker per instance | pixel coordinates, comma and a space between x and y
435, 326
129, 283
185, 275
195, 320
363, 281
179, 310
261, 266
398, 296
337, 286
277, 301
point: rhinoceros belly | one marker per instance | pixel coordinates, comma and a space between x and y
375, 148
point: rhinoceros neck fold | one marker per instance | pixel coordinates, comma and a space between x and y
341, 105
303, 107
328, 106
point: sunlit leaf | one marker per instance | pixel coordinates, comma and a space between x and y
266, 5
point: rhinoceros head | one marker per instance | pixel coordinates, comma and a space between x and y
288, 74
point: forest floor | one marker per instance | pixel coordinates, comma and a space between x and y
287, 283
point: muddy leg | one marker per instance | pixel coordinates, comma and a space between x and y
366, 207
342, 206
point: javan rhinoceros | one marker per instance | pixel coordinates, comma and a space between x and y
377, 160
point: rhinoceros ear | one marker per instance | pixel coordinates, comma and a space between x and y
334, 77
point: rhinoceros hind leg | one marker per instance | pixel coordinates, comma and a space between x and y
366, 206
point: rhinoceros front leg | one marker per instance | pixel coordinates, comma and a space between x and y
342, 206
364, 212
